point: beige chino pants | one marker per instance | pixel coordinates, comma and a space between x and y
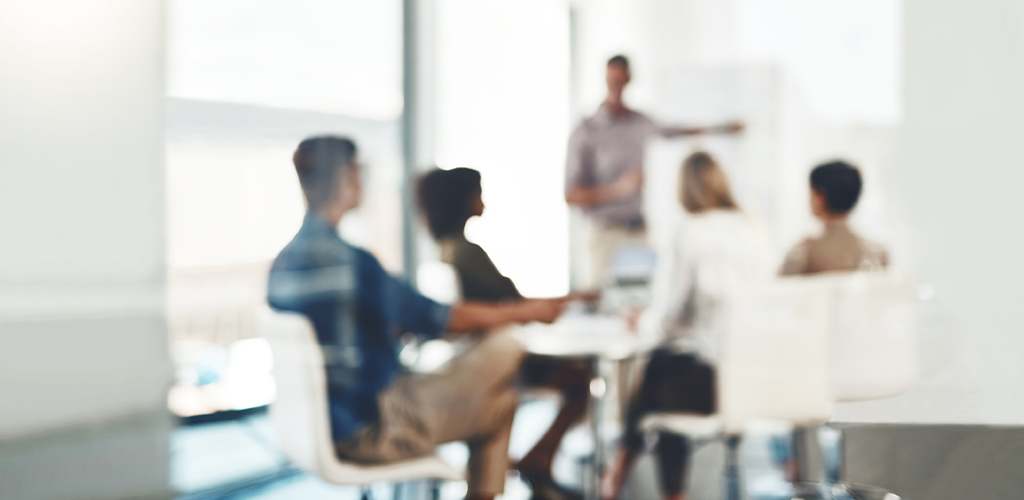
471, 399
604, 243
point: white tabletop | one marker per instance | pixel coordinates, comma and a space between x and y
577, 335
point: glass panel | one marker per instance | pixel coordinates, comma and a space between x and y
248, 80
337, 56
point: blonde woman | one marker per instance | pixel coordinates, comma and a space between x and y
717, 248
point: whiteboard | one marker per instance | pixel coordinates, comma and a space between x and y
701, 95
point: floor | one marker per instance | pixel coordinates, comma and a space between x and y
938, 462
239, 460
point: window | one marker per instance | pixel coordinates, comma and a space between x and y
247, 80
341, 56
503, 109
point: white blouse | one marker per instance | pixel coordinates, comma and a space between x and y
712, 253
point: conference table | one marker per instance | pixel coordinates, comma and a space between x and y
596, 339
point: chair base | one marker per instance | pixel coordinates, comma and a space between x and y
400, 490
839, 491
846, 491
430, 467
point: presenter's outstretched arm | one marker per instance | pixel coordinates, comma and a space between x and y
725, 128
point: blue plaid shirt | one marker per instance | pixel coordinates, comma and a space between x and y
358, 310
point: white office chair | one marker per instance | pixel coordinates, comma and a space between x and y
300, 414
773, 365
873, 343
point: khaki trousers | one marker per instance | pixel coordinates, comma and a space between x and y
605, 242
471, 399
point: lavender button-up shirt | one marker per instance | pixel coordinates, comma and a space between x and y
602, 148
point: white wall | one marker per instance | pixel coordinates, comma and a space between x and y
81, 200
958, 173
82, 336
81, 132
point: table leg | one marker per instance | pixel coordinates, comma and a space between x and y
598, 389
733, 488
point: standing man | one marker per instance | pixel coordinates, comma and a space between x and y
604, 170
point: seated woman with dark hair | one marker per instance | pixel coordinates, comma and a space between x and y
448, 199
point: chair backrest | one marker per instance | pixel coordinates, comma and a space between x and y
301, 418
299, 415
774, 362
873, 341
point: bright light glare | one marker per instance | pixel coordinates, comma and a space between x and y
503, 79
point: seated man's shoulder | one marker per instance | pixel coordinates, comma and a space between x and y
314, 253
796, 261
874, 251
310, 268
362, 255
804, 245
308, 242
358, 258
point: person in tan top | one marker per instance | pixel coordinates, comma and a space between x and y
835, 188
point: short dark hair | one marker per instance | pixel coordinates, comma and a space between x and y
840, 184
621, 60
322, 162
446, 197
